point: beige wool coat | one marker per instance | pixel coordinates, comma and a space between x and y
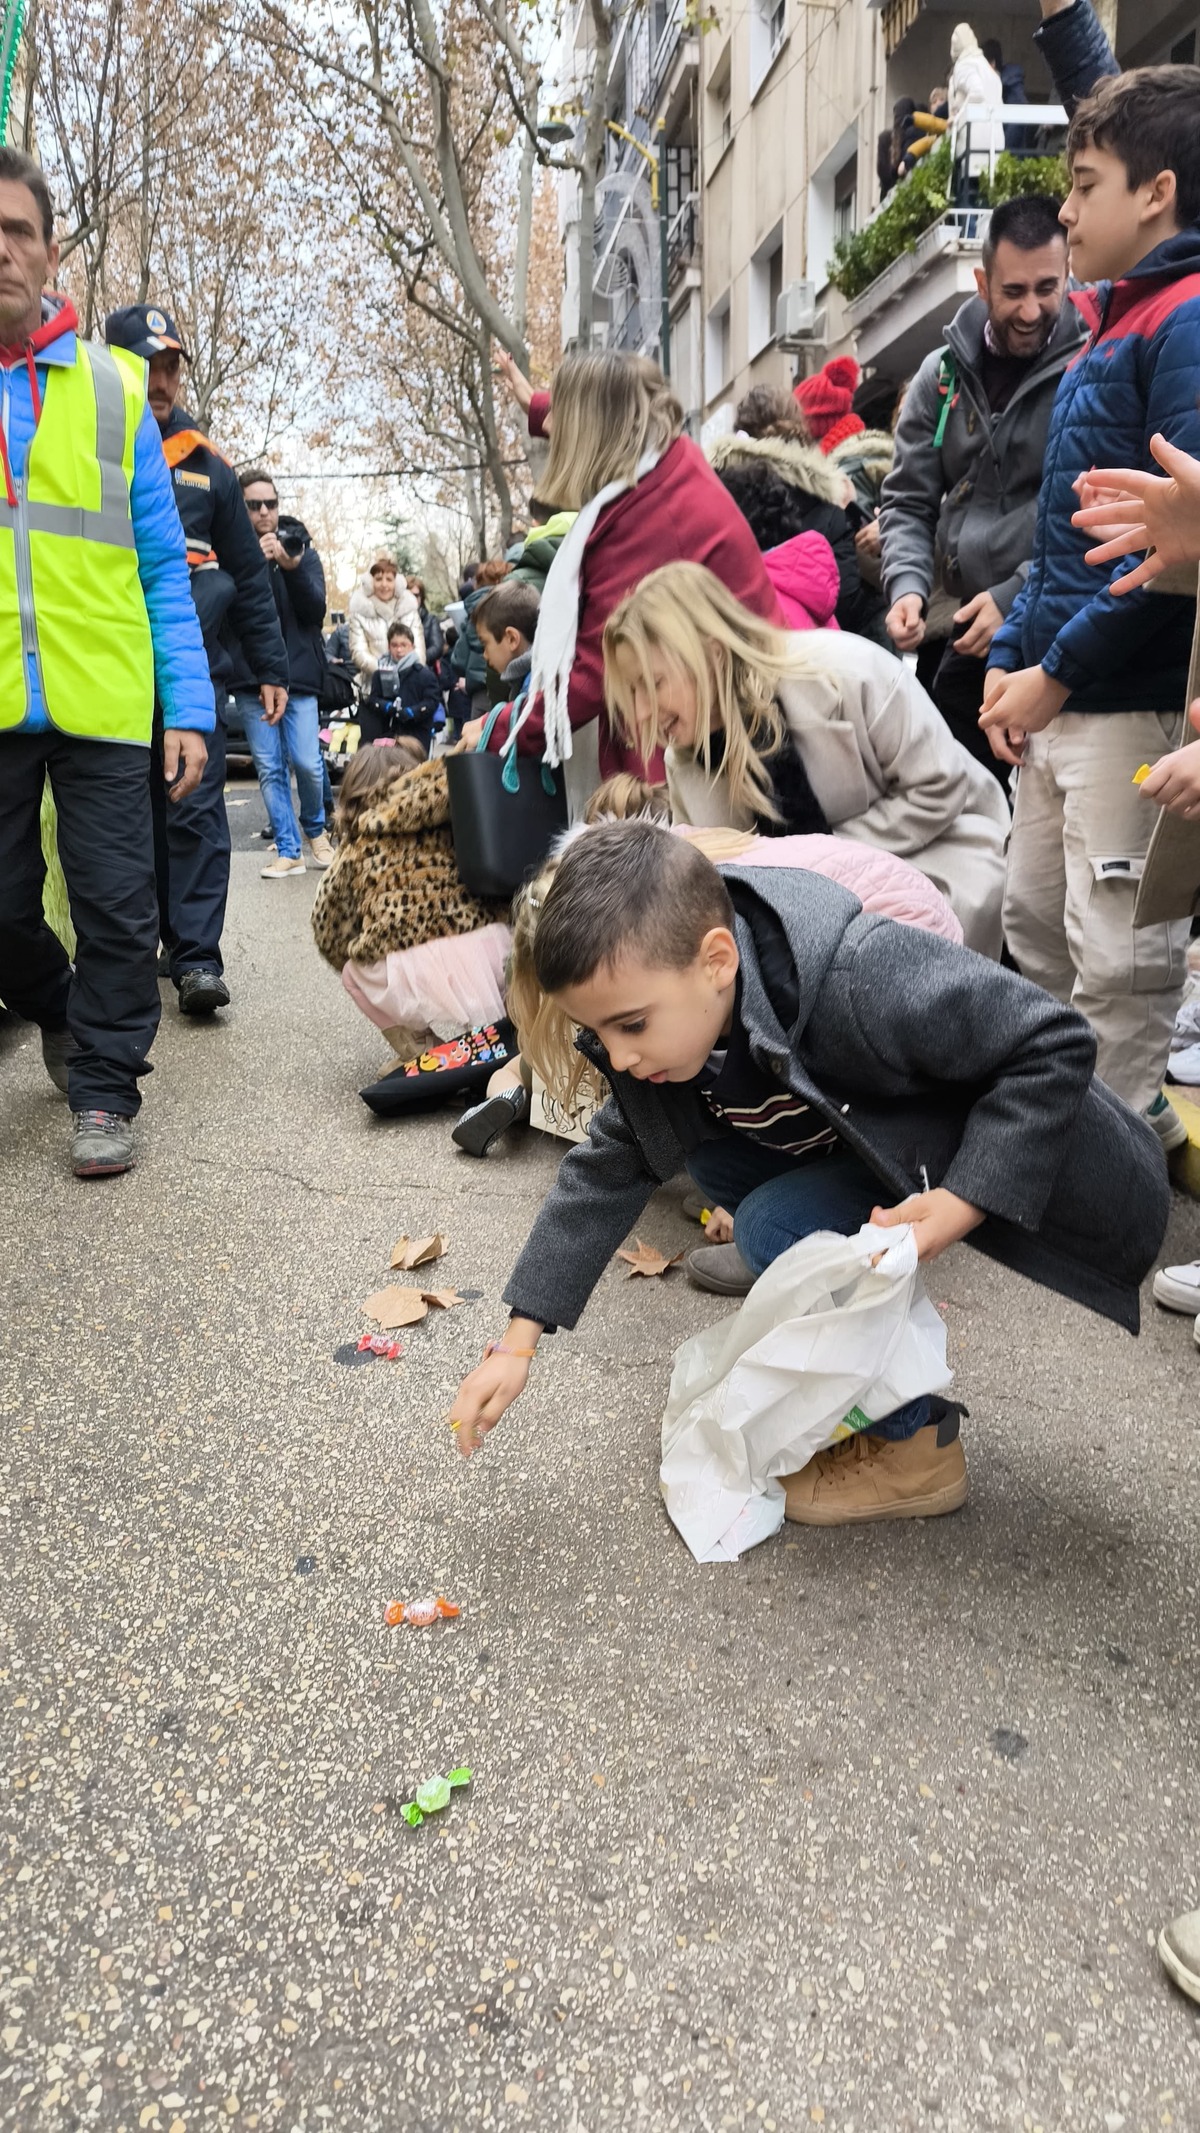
886, 770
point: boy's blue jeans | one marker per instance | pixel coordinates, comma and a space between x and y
777, 1199
293, 742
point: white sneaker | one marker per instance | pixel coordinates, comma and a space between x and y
281, 867
1185, 1066
322, 850
1177, 1288
1167, 1124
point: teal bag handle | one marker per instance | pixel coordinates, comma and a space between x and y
510, 776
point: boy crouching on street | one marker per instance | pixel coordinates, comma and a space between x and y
865, 1061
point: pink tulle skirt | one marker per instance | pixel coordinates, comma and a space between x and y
457, 982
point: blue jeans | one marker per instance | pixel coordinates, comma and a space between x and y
293, 742
777, 1199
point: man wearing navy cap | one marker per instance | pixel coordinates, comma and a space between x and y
231, 588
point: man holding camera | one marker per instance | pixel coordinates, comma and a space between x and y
288, 739
232, 595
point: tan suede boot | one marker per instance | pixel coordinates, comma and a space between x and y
866, 1477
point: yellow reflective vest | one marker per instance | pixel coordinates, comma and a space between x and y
71, 600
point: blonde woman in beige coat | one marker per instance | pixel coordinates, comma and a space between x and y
769, 731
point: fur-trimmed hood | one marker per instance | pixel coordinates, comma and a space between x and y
803, 465
873, 450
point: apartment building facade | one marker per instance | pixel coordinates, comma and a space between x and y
648, 211
793, 97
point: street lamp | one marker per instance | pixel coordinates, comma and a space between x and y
556, 130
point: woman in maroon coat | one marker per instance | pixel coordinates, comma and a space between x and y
617, 427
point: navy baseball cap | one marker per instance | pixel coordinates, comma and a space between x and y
144, 330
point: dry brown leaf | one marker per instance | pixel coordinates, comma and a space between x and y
647, 1261
392, 1307
445, 1299
411, 1252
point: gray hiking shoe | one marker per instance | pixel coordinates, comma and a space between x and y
721, 1268
102, 1144
201, 992
58, 1050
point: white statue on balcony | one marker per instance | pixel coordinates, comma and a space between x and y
973, 81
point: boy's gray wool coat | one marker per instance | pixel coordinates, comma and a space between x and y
932, 1063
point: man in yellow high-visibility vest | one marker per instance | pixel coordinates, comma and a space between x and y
95, 614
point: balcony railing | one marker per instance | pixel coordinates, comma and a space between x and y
683, 236
959, 229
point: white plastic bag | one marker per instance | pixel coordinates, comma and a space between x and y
823, 1344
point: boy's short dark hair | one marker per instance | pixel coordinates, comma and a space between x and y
1029, 222
402, 629
627, 888
1149, 119
18, 169
513, 606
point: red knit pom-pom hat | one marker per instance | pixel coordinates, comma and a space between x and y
826, 400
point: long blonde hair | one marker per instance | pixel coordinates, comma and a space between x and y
608, 411
686, 618
546, 1034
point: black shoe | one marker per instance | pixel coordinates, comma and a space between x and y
201, 992
484, 1123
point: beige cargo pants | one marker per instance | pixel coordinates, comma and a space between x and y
1079, 837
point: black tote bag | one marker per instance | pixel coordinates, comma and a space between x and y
502, 831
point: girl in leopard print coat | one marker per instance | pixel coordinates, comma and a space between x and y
412, 946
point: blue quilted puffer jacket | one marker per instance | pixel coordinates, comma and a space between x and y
1139, 373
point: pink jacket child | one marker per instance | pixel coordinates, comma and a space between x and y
804, 573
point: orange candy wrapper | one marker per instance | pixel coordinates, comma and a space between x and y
418, 1614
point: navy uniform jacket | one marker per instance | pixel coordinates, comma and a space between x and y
230, 582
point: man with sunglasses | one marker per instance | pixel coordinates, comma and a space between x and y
280, 746
231, 589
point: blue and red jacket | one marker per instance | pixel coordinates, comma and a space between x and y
180, 668
1138, 373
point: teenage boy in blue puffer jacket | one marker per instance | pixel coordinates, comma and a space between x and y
1083, 688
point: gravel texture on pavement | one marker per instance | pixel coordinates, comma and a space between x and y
873, 1830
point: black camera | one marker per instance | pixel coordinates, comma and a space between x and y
293, 543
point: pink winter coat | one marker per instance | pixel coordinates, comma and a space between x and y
880, 881
804, 573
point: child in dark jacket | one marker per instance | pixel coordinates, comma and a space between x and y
506, 620
405, 698
805, 1060
1083, 687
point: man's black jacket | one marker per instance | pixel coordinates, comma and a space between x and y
230, 585
299, 597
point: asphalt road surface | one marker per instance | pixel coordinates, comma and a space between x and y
871, 1830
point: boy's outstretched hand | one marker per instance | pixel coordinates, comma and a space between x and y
938, 1219
1132, 510
488, 1392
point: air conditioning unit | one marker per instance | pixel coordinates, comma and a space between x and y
796, 311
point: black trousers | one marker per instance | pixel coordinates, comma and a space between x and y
110, 1003
191, 860
957, 690
376, 724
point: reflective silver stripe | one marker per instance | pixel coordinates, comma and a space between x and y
110, 436
113, 529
